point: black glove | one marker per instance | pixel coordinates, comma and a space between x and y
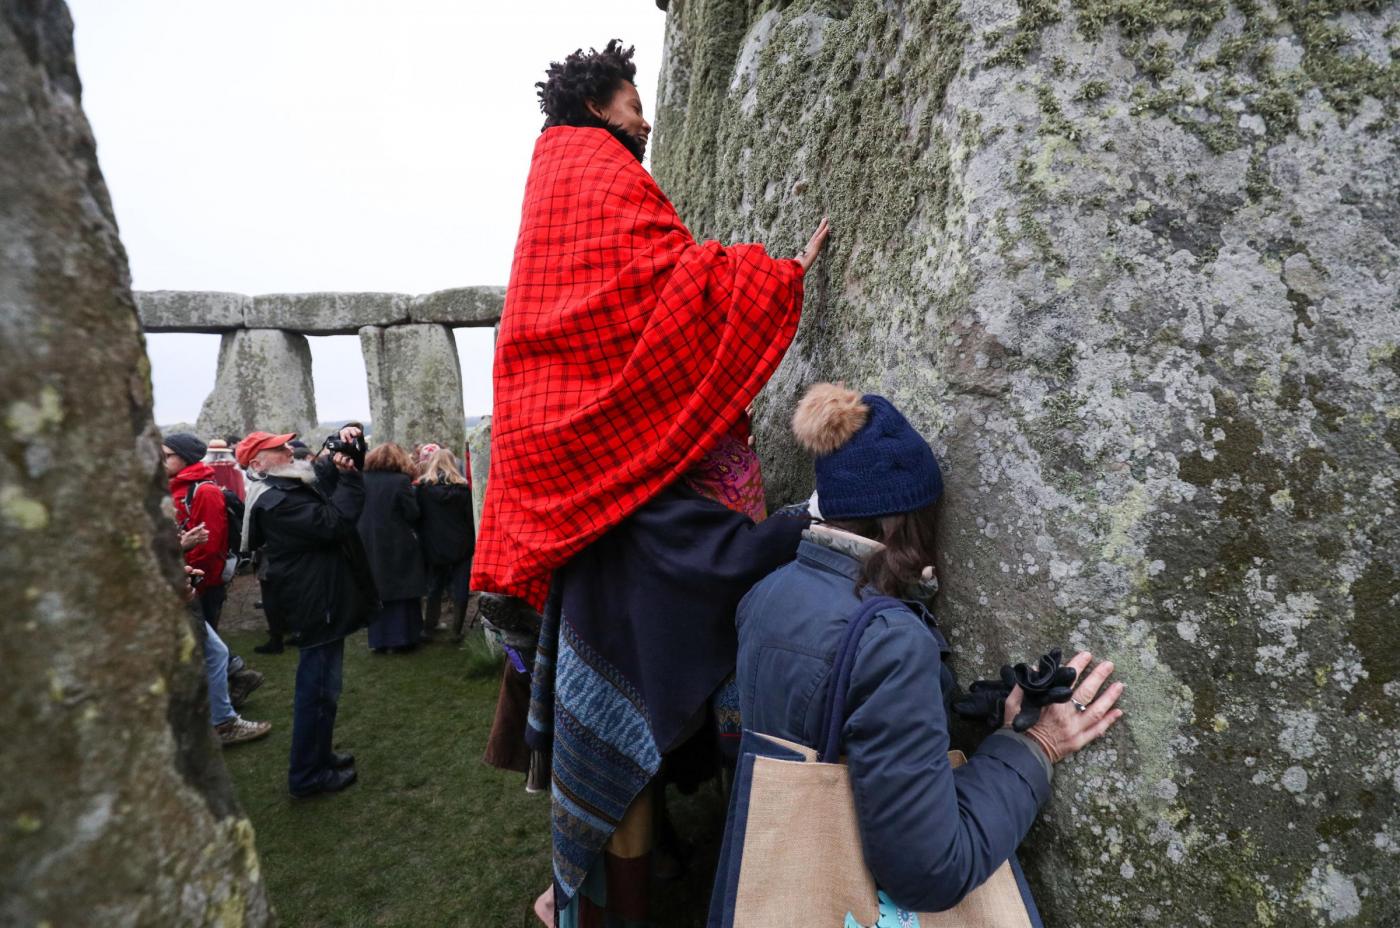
1042, 685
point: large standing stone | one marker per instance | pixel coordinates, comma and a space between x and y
479, 443
115, 808
1136, 271
263, 382
415, 385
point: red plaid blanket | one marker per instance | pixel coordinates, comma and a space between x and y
626, 351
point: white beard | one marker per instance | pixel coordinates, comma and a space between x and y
297, 470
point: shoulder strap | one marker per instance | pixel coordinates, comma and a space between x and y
841, 673
189, 502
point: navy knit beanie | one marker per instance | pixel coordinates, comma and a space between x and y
190, 449
869, 460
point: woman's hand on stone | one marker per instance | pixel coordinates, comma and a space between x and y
1064, 728
815, 244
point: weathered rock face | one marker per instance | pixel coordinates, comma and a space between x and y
415, 384
326, 313
116, 808
470, 306
479, 443
1135, 270
191, 311
263, 382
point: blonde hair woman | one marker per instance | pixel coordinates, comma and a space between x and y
448, 536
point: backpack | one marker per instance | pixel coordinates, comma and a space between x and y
233, 509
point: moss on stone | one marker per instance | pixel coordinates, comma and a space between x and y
1375, 597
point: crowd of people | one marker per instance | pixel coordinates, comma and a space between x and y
338, 540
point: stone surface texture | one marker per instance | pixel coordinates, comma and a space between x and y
415, 385
326, 313
479, 443
1135, 270
191, 310
115, 807
263, 382
469, 306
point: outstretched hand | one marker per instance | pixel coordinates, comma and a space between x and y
1064, 728
815, 244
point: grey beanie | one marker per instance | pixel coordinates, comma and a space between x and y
190, 449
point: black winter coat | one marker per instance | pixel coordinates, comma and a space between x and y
315, 571
448, 529
387, 530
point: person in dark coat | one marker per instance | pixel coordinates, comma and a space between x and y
387, 529
448, 535
319, 582
929, 836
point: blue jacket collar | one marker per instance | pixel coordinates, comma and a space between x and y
836, 552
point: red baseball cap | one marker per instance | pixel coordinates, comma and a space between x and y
249, 447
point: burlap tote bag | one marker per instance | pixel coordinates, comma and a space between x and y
792, 855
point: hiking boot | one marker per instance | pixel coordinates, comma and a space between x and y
241, 686
333, 782
239, 729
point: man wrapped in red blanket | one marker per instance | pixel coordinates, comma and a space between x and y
627, 357
626, 351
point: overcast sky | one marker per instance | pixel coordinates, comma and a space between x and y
267, 146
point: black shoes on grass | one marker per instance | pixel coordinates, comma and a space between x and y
334, 782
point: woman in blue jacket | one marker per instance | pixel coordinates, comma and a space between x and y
930, 834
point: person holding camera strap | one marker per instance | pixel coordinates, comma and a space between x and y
318, 580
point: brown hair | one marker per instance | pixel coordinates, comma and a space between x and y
389, 457
441, 467
909, 547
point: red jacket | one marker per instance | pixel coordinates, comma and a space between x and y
208, 507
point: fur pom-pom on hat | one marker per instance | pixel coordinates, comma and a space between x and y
828, 416
869, 460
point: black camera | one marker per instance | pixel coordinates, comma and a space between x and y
354, 449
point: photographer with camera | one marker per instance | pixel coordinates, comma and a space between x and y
317, 579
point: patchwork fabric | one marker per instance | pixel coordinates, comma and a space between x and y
604, 754
626, 351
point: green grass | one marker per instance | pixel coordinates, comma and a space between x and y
429, 835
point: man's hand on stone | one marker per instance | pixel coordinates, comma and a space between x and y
815, 244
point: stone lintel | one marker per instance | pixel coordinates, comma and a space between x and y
459, 306
321, 313
191, 310
326, 313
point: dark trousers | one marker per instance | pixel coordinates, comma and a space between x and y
319, 674
211, 604
447, 580
274, 619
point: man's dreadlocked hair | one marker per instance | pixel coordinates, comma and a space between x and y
582, 78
